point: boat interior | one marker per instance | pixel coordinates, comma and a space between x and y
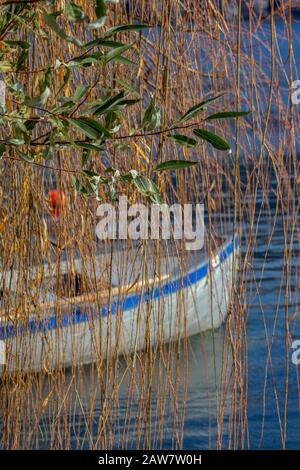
82, 280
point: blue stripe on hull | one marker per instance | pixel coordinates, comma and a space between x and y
129, 303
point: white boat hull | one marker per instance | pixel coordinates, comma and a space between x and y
176, 309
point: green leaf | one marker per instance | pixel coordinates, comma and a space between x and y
2, 150
24, 54
102, 42
30, 124
15, 142
125, 27
47, 152
227, 115
45, 92
212, 139
197, 108
88, 146
80, 91
85, 157
93, 182
97, 24
148, 114
5, 66
114, 103
127, 86
123, 60
79, 186
64, 108
112, 122
26, 157
115, 53
92, 176
22, 44
45, 81
67, 76
85, 61
128, 177
50, 21
38, 100
101, 8
91, 128
74, 12
183, 140
127, 102
148, 189
152, 117
174, 165
21, 59
101, 13
109, 104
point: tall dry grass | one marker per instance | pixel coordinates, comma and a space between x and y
193, 50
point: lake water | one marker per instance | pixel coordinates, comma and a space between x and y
266, 313
266, 366
266, 374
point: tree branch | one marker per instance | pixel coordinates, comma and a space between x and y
18, 2
33, 143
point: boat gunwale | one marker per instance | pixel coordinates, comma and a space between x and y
130, 302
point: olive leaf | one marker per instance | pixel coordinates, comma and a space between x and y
197, 108
125, 27
183, 140
227, 115
74, 12
213, 139
152, 117
101, 13
174, 165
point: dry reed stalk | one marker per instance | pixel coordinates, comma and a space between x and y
141, 399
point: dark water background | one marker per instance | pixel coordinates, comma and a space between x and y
266, 311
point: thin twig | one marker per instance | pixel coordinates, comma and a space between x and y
121, 137
18, 2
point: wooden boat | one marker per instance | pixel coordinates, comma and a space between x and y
176, 303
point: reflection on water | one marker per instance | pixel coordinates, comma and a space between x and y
137, 417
